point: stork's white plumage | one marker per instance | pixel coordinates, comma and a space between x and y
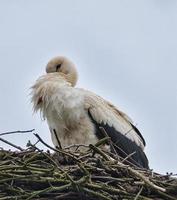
76, 115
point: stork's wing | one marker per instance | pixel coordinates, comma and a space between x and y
125, 136
129, 120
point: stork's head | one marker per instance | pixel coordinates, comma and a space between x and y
63, 66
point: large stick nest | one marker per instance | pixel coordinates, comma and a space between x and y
77, 173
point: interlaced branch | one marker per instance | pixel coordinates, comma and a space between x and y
76, 172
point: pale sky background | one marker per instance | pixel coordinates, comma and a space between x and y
125, 51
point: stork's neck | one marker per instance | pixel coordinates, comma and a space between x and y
72, 77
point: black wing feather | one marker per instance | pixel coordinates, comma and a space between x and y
123, 145
138, 132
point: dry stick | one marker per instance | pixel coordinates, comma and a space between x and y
11, 144
128, 156
137, 196
110, 142
110, 178
13, 197
74, 195
76, 146
129, 162
167, 196
159, 191
99, 151
53, 161
65, 153
97, 194
146, 180
106, 188
136, 164
56, 150
49, 189
58, 141
112, 190
102, 141
12, 132
39, 192
115, 152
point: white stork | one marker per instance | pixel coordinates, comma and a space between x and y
75, 115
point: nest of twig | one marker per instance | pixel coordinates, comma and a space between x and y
78, 173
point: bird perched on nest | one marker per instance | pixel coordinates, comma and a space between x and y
75, 115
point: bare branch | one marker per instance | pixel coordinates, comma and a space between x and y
11, 144
12, 132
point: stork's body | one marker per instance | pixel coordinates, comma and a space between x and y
76, 115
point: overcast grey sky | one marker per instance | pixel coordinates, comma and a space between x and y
125, 51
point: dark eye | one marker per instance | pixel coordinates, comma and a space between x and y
58, 67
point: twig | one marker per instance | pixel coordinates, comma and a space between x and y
146, 180
128, 156
58, 141
138, 194
97, 194
11, 144
113, 145
50, 189
53, 161
56, 150
102, 141
12, 132
109, 141
35, 174
99, 151
76, 146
